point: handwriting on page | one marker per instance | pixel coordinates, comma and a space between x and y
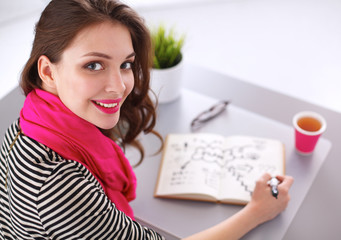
215, 162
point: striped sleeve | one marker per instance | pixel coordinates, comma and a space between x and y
72, 207
44, 196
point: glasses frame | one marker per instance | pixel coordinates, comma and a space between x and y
209, 114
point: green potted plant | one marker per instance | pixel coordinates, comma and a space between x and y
166, 73
167, 48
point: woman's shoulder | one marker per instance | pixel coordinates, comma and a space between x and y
21, 146
35, 155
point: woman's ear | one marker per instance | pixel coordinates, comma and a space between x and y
45, 71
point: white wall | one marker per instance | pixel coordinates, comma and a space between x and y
290, 46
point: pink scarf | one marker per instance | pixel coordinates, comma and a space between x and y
47, 120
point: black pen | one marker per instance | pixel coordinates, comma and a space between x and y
274, 184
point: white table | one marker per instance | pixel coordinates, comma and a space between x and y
314, 211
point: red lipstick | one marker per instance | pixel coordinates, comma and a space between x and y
108, 106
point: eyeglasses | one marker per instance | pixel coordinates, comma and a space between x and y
209, 114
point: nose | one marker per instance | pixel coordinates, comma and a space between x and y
115, 83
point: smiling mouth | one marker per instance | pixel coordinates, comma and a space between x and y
106, 105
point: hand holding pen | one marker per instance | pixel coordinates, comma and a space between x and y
263, 204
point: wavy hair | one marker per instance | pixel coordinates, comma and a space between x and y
59, 24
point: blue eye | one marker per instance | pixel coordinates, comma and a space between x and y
127, 65
95, 66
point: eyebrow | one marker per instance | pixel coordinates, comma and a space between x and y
102, 55
133, 54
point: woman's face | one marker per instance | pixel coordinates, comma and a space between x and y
94, 75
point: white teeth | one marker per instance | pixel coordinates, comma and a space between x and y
111, 105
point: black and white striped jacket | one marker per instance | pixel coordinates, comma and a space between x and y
44, 196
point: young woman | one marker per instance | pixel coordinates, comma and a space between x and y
62, 174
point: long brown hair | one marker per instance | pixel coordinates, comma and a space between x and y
58, 25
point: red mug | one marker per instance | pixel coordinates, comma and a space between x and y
309, 126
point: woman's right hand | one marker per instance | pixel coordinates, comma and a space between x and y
263, 205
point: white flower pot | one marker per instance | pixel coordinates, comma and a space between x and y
166, 83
